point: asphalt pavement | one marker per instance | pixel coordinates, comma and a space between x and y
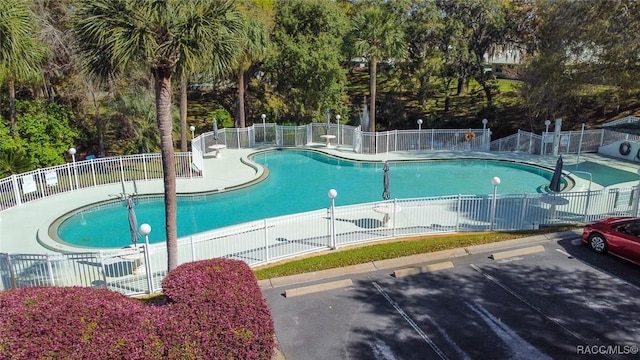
544, 297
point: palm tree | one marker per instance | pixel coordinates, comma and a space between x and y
20, 52
169, 38
376, 34
253, 47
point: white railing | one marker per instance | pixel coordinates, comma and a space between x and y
42, 183
274, 239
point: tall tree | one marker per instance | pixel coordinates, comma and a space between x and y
424, 56
168, 37
376, 34
478, 27
21, 54
253, 48
307, 68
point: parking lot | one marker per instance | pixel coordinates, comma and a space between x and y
559, 302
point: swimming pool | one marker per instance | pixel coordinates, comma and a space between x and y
298, 181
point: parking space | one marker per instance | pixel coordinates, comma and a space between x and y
561, 303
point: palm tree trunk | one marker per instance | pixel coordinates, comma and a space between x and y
163, 113
241, 117
183, 115
12, 103
373, 70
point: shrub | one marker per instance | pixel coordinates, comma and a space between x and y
217, 312
76, 323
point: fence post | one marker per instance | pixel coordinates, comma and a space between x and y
144, 166
395, 141
93, 172
147, 265
523, 211
122, 170
432, 135
16, 189
395, 216
70, 176
266, 240
104, 270
12, 273
193, 249
42, 180
50, 270
458, 205
586, 206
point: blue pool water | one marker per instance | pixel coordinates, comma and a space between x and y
298, 181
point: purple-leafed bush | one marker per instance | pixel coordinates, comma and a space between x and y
219, 310
76, 323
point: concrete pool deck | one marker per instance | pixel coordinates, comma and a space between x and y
22, 227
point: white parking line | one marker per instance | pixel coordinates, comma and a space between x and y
614, 277
565, 253
582, 339
415, 326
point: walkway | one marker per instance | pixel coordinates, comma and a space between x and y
22, 227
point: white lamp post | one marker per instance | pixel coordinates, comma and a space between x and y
145, 229
338, 123
72, 151
546, 124
419, 131
264, 126
495, 181
544, 138
193, 129
484, 133
332, 195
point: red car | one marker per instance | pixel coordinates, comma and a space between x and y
619, 236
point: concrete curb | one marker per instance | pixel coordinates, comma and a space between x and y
311, 289
419, 259
517, 252
422, 269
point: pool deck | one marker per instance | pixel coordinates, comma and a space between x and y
21, 227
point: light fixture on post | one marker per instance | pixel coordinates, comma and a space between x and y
419, 132
545, 137
193, 129
495, 181
332, 195
264, 126
72, 152
484, 133
338, 123
145, 230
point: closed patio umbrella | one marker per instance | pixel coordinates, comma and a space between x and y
386, 193
554, 185
328, 118
133, 222
215, 129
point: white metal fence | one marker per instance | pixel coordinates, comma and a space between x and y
41, 183
344, 136
268, 240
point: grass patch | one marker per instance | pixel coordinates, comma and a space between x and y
392, 249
